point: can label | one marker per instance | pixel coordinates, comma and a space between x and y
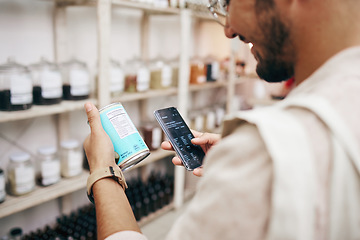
125, 137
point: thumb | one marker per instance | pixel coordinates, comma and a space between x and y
93, 116
200, 139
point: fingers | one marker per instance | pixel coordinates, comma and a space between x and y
198, 172
166, 145
93, 117
176, 161
201, 139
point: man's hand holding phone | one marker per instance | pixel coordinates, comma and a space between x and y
204, 140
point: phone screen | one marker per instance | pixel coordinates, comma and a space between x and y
180, 137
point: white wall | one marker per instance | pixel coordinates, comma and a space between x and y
26, 33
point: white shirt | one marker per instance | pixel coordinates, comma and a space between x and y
234, 197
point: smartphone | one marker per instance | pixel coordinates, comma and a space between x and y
180, 137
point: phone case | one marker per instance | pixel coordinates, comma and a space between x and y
188, 163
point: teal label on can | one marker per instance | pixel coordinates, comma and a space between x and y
125, 137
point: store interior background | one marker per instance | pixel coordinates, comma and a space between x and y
27, 34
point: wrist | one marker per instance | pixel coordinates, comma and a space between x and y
108, 172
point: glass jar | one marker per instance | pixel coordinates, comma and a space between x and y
21, 174
16, 233
174, 64
47, 83
71, 158
117, 79
161, 74
197, 71
137, 76
152, 134
15, 87
210, 120
76, 79
49, 164
212, 69
219, 115
2, 186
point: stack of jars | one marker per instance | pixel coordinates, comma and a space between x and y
42, 83
23, 173
204, 70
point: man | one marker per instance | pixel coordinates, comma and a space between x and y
289, 171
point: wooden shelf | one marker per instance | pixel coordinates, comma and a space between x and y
146, 7
207, 85
14, 204
40, 195
39, 111
127, 97
216, 84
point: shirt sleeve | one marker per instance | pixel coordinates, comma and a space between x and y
126, 235
232, 199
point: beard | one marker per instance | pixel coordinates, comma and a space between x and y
276, 62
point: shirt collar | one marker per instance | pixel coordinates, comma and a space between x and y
344, 63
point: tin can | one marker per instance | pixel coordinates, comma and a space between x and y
126, 139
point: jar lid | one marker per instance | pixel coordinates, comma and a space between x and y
16, 231
19, 157
68, 144
47, 150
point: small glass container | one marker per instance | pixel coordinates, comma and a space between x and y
161, 74
210, 120
153, 135
47, 83
117, 79
71, 158
137, 76
2, 186
15, 87
76, 79
212, 69
174, 63
49, 164
219, 115
21, 174
16, 233
197, 71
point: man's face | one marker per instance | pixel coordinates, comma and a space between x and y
259, 22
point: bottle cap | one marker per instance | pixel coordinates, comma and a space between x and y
47, 150
19, 157
69, 144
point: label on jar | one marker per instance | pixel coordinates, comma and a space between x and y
24, 179
143, 79
199, 123
215, 67
166, 76
117, 80
51, 84
156, 138
79, 82
2, 188
201, 79
121, 122
210, 120
74, 163
21, 90
220, 113
50, 172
